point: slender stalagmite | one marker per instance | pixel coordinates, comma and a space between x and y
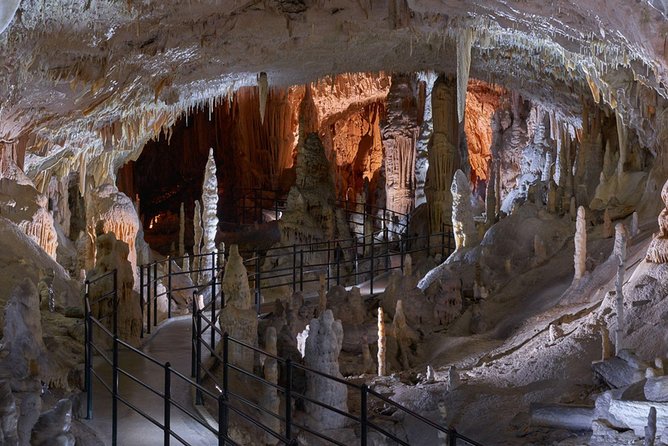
580, 257
619, 332
382, 342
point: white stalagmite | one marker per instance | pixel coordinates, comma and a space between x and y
209, 215
182, 231
619, 332
621, 236
263, 86
464, 41
382, 342
463, 225
580, 257
197, 228
323, 346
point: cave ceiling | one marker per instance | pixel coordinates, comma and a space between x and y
95, 79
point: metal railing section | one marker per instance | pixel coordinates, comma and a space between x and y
363, 418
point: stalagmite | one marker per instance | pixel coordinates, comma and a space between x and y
322, 350
408, 265
270, 399
400, 132
404, 336
607, 224
197, 228
382, 342
182, 231
263, 86
650, 429
619, 332
464, 41
635, 226
443, 154
463, 225
366, 355
209, 217
658, 248
621, 237
580, 240
453, 378
238, 318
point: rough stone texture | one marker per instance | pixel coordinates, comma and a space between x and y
658, 249
580, 257
443, 153
382, 342
405, 337
112, 211
621, 238
238, 318
463, 226
53, 426
323, 346
656, 389
112, 255
21, 203
400, 132
9, 416
209, 217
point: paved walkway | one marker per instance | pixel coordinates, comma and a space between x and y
170, 343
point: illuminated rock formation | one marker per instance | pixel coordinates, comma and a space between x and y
209, 218
463, 226
382, 342
238, 318
111, 211
580, 257
400, 133
658, 248
323, 346
443, 153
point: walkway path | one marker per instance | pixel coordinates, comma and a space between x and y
171, 342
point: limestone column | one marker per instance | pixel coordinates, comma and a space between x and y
580, 257
399, 133
463, 224
443, 154
209, 216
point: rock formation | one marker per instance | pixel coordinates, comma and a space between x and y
53, 426
619, 332
238, 318
443, 154
405, 337
270, 399
382, 342
580, 257
463, 225
658, 248
621, 238
112, 254
323, 346
399, 137
209, 217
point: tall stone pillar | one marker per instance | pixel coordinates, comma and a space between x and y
443, 154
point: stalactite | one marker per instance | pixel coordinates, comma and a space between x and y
263, 86
464, 42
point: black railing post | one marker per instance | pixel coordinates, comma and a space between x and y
428, 243
385, 231
387, 255
363, 414
275, 208
401, 254
371, 268
88, 354
258, 298
168, 403
288, 399
198, 353
222, 420
115, 302
452, 437
194, 340
155, 293
141, 298
226, 362
301, 270
114, 393
213, 299
339, 253
294, 268
169, 287
329, 263
148, 299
